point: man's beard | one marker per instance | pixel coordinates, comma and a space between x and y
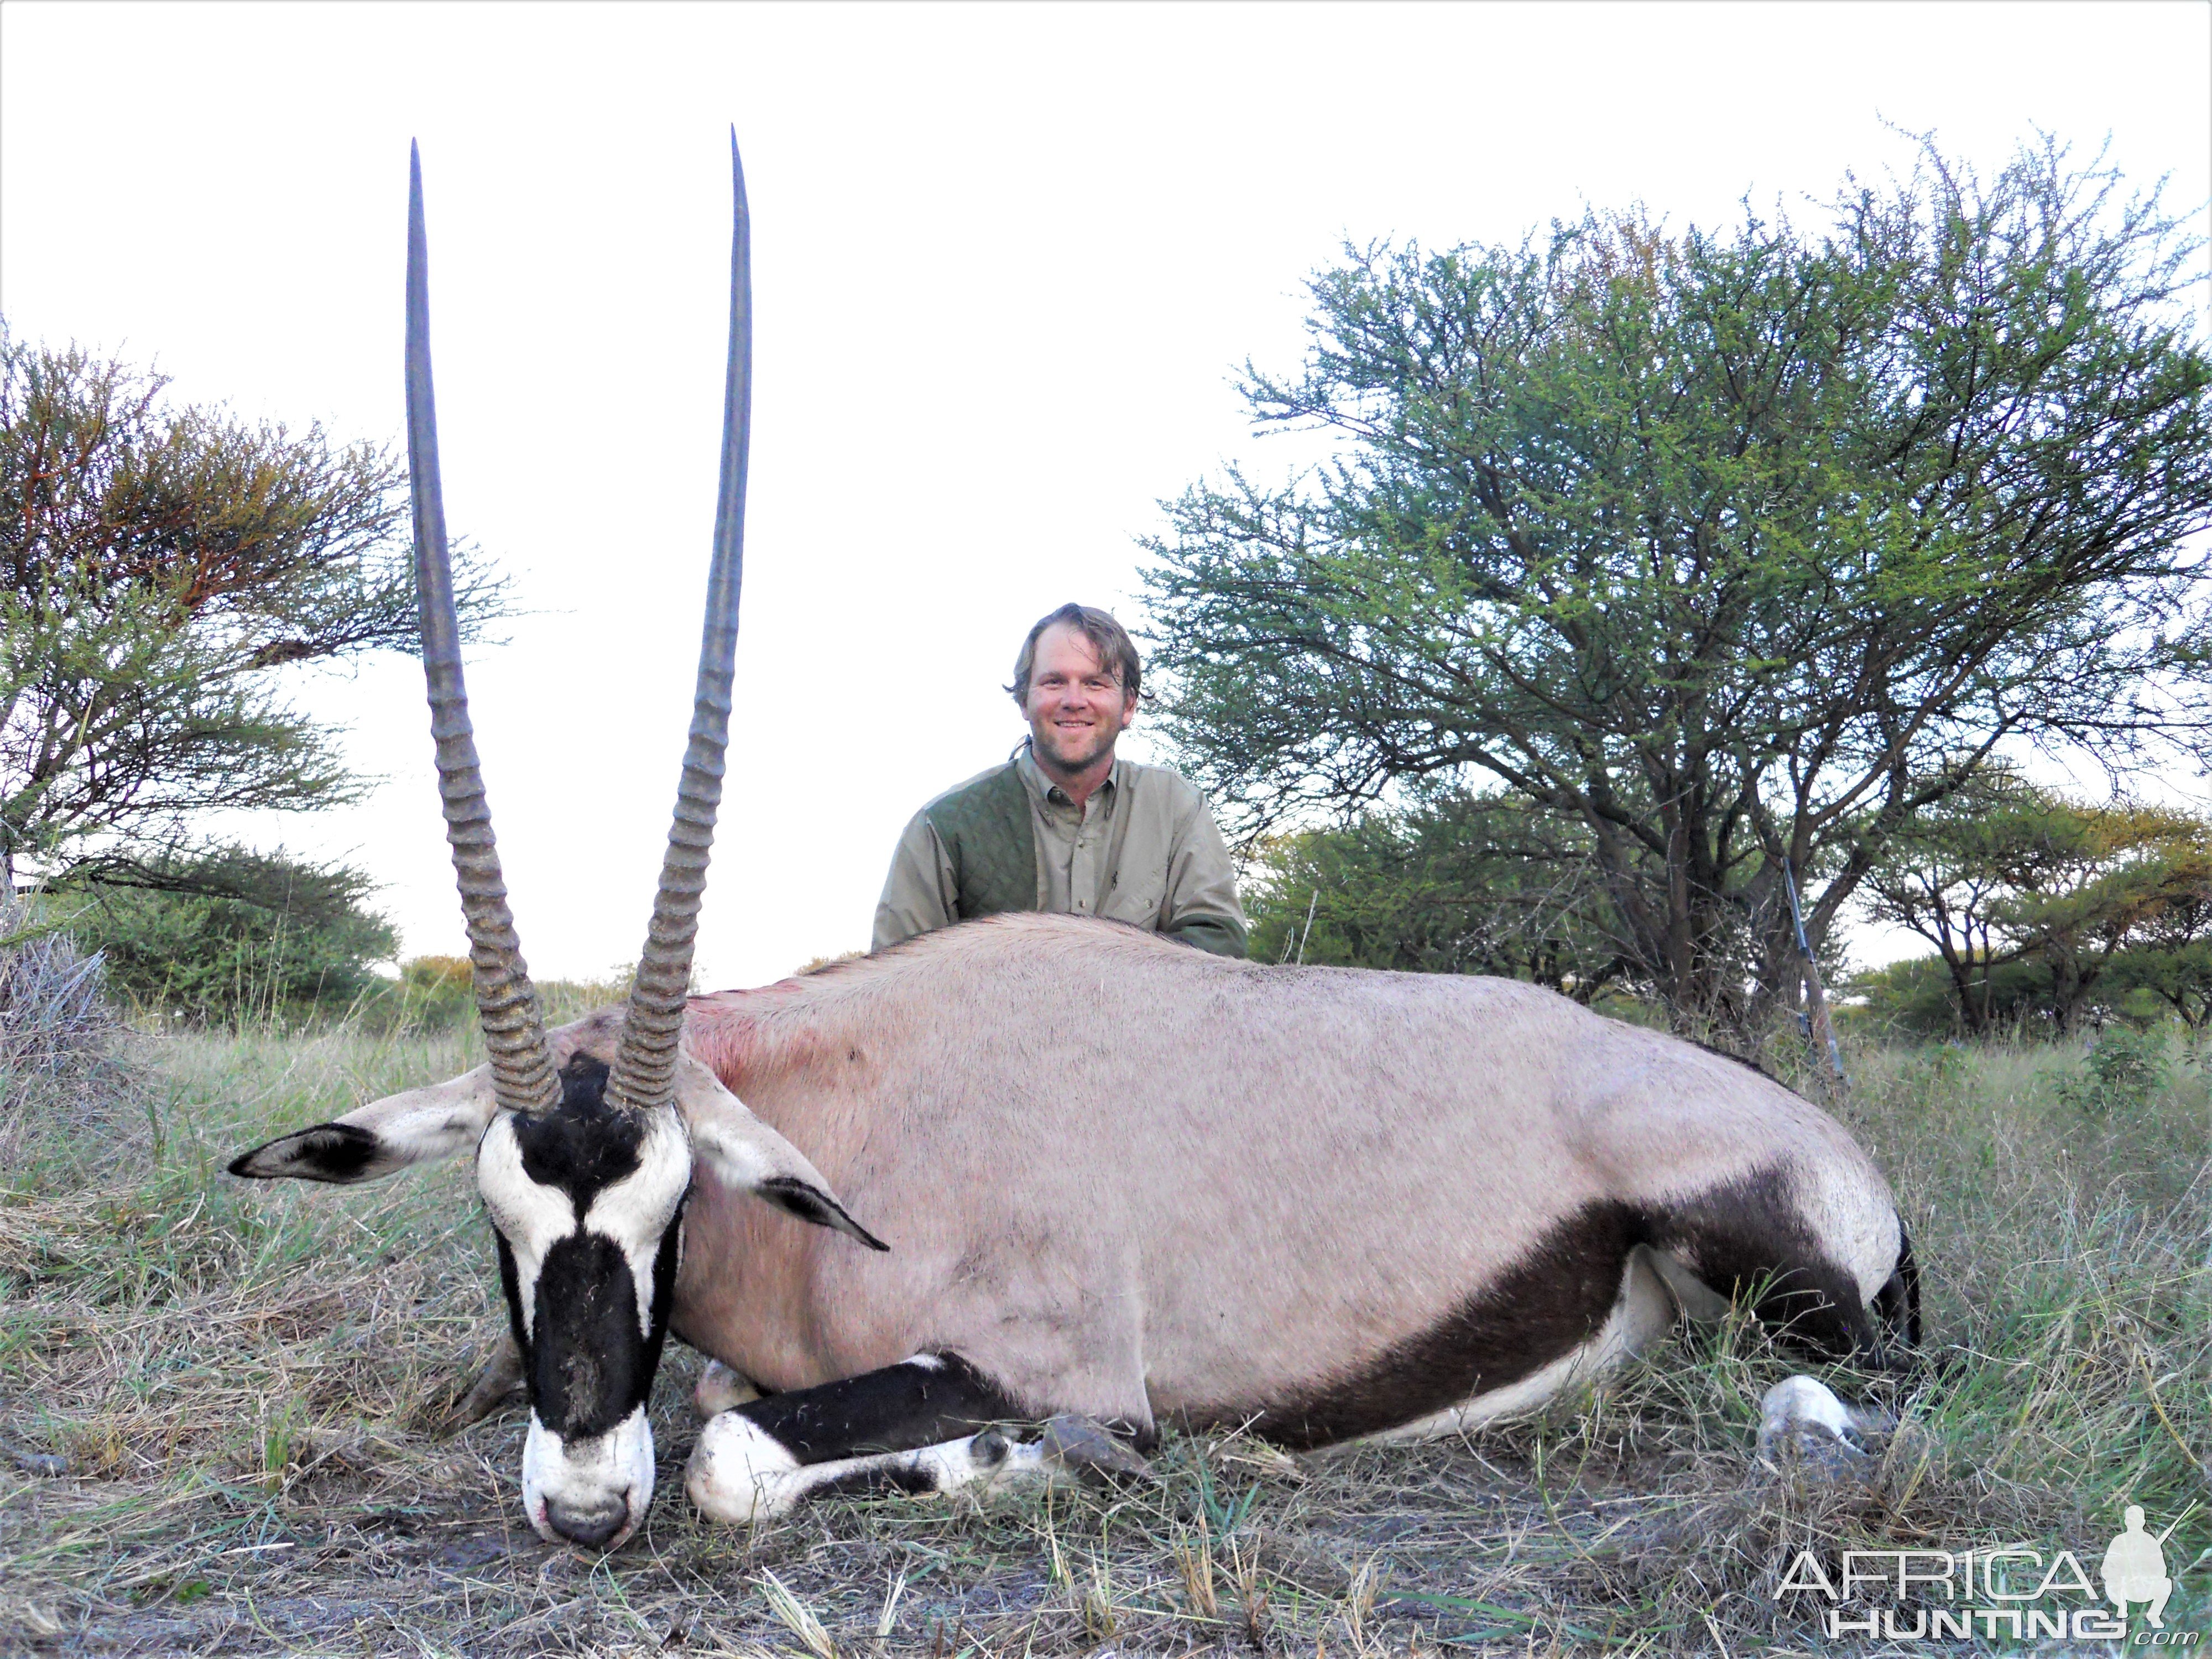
1103, 746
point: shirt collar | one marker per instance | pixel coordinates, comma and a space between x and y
1044, 789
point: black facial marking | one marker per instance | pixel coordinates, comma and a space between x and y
1744, 1238
510, 1285
583, 1145
587, 1362
330, 1151
588, 1365
584, 1080
897, 1408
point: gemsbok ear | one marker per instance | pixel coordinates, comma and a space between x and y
746, 1155
387, 1134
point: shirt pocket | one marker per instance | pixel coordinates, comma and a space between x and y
1140, 887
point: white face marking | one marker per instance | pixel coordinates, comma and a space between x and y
636, 1210
531, 1218
633, 1212
588, 1475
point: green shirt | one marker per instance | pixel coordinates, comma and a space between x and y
1143, 849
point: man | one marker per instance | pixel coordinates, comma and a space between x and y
1064, 825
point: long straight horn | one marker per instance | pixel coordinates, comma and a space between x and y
644, 1073
521, 1064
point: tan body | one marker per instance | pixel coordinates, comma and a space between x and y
1132, 1180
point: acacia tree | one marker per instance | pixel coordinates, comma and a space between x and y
2171, 959
1737, 548
159, 569
1458, 885
2007, 872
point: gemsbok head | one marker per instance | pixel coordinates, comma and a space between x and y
583, 1167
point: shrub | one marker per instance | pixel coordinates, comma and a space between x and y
2125, 1070
433, 994
231, 935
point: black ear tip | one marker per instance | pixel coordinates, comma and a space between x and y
870, 1239
337, 1152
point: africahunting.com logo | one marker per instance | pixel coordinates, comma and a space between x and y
1999, 1595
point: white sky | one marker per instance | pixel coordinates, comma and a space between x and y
1006, 259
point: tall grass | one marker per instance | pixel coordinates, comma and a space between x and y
57, 1035
243, 1379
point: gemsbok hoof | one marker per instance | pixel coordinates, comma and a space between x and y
1083, 1447
499, 1381
1803, 1426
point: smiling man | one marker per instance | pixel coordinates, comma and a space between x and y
1064, 825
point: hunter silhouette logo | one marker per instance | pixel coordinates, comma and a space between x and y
2001, 1593
2135, 1569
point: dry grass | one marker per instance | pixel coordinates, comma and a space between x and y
239, 1377
57, 1032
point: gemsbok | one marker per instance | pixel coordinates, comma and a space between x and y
1036, 1168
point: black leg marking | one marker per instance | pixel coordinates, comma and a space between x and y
1748, 1241
902, 1407
1897, 1302
1745, 1239
1551, 1301
865, 1483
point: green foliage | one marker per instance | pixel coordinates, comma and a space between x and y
1736, 547
158, 568
231, 935
2031, 899
1918, 998
1458, 885
434, 994
2124, 1070
2178, 976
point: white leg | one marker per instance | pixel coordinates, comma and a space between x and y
740, 1473
1803, 1414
